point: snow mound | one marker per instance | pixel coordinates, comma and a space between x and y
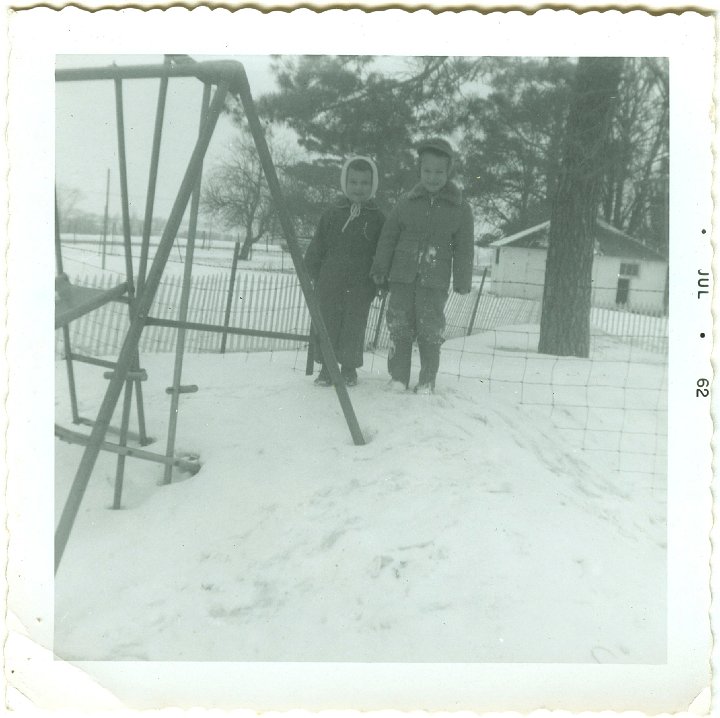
467, 529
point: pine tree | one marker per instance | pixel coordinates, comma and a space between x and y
565, 321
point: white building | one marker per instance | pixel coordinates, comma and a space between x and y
625, 272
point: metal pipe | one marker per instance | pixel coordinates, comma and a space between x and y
93, 360
152, 179
127, 352
184, 301
225, 71
131, 72
70, 375
111, 429
66, 329
201, 327
122, 160
58, 242
243, 88
144, 439
122, 442
127, 242
75, 437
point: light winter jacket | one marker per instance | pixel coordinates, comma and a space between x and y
428, 238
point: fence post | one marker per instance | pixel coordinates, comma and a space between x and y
231, 291
287, 308
471, 323
239, 315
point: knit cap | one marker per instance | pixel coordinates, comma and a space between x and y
437, 144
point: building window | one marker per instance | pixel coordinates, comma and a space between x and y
629, 270
497, 256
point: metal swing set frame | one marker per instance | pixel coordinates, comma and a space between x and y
220, 79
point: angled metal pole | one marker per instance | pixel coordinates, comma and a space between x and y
184, 301
243, 89
58, 242
129, 347
127, 244
125, 203
66, 329
152, 179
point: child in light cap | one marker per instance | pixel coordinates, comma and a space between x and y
338, 260
426, 243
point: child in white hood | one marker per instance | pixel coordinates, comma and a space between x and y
339, 258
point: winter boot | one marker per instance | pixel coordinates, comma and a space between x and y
399, 361
323, 378
349, 375
397, 387
429, 364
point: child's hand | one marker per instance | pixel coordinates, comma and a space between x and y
381, 285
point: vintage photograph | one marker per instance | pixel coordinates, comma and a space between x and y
367, 360
484, 239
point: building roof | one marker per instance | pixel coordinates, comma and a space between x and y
610, 242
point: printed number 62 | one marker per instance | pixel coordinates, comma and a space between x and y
702, 389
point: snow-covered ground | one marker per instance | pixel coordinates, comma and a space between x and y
82, 255
85, 257
472, 526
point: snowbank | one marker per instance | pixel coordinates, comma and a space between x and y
469, 528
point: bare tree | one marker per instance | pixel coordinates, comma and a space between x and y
637, 149
237, 194
67, 199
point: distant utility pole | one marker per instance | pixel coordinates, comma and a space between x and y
105, 220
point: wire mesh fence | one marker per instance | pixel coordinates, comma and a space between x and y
612, 404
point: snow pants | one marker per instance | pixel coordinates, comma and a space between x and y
345, 314
415, 312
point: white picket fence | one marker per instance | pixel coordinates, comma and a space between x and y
273, 302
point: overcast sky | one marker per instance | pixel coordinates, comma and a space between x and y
86, 132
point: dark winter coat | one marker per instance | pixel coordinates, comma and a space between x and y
429, 239
338, 259
339, 264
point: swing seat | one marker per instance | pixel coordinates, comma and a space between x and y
72, 302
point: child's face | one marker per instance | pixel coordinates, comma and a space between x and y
358, 185
433, 172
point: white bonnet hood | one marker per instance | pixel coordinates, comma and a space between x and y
343, 173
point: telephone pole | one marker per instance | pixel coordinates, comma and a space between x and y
105, 220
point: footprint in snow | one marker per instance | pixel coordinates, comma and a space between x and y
388, 566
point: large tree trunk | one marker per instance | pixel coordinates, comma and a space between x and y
565, 322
